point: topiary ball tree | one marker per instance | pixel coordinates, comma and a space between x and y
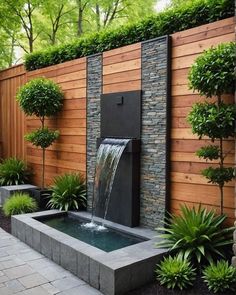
42, 98
213, 75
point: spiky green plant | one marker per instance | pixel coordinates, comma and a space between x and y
13, 172
175, 272
197, 233
19, 203
220, 277
68, 192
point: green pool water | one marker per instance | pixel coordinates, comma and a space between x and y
107, 240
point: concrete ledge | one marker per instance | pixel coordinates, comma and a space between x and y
7, 191
112, 273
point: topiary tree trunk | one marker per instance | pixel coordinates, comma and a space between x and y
212, 75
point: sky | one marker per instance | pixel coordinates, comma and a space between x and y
161, 4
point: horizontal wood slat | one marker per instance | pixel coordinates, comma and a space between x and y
187, 183
121, 72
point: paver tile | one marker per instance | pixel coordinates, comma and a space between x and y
19, 271
67, 283
35, 291
14, 285
24, 271
3, 279
50, 289
33, 280
11, 263
81, 290
6, 291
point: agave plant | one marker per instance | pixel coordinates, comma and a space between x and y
220, 277
68, 192
176, 272
13, 172
196, 233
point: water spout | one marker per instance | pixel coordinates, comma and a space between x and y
108, 157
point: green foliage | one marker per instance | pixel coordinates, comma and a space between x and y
219, 175
220, 277
175, 272
43, 98
209, 119
197, 234
68, 192
40, 97
42, 137
213, 74
19, 203
210, 152
170, 21
13, 172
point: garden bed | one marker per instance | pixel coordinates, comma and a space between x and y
199, 288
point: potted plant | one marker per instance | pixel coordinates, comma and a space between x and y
42, 98
213, 75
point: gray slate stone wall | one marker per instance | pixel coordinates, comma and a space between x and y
154, 128
154, 131
94, 90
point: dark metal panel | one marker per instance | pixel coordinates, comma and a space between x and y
121, 114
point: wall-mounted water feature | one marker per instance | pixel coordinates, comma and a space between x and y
116, 187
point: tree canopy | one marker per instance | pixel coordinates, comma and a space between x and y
30, 25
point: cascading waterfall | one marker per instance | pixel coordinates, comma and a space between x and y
108, 157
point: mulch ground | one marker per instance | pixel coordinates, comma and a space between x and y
5, 222
199, 287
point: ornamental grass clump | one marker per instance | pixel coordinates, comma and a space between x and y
68, 192
197, 234
220, 277
19, 203
213, 75
176, 272
13, 172
42, 98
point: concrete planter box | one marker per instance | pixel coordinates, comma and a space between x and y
113, 272
7, 191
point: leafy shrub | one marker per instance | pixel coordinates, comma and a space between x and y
43, 98
13, 172
19, 203
176, 272
40, 97
42, 137
212, 73
220, 277
68, 192
170, 21
196, 233
219, 175
209, 119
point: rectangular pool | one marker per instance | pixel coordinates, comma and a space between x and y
107, 240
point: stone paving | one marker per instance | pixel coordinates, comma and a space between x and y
24, 271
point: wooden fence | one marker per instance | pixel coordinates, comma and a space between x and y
187, 184
121, 72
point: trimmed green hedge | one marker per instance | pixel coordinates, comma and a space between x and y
168, 22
